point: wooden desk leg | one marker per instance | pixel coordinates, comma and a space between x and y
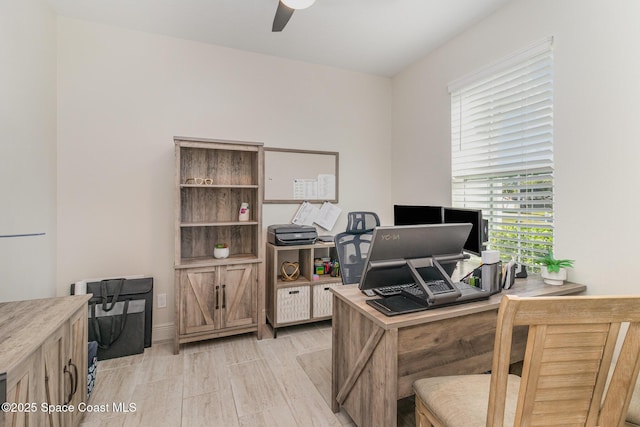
364, 368
336, 332
363, 359
389, 387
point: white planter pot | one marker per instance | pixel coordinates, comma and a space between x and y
553, 278
220, 252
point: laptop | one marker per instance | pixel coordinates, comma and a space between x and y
416, 254
433, 288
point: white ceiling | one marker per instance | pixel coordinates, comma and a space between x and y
373, 36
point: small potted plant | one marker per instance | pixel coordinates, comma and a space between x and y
221, 250
554, 271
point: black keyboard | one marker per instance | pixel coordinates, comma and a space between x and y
414, 291
435, 286
387, 291
438, 287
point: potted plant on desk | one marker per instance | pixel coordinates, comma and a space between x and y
554, 271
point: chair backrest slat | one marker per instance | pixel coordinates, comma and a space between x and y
616, 403
570, 348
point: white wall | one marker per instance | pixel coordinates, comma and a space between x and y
596, 131
124, 95
27, 149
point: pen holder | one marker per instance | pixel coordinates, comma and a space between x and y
491, 275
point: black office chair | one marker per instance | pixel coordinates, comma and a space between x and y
362, 222
353, 245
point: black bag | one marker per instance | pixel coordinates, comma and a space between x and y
92, 366
118, 328
123, 289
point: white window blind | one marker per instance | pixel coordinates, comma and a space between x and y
502, 150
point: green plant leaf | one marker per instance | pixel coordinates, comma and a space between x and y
554, 265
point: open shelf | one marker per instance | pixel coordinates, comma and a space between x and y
213, 178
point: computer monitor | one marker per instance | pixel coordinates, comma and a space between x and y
415, 214
472, 216
391, 247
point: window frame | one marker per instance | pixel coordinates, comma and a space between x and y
502, 150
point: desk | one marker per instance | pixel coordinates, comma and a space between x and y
376, 359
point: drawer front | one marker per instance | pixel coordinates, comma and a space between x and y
323, 299
293, 304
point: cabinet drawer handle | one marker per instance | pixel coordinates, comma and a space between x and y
293, 292
47, 393
326, 289
73, 379
224, 296
217, 297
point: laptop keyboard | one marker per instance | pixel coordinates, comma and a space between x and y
438, 287
435, 286
414, 291
387, 291
413, 298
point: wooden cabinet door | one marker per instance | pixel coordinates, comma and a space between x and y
239, 290
200, 300
23, 384
54, 354
76, 365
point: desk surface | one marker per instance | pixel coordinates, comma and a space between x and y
532, 286
376, 358
24, 325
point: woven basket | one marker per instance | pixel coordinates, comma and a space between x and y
323, 299
293, 304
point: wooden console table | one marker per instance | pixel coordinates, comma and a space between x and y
376, 359
43, 361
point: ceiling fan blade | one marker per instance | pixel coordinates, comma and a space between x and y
283, 14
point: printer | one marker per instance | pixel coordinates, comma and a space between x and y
291, 234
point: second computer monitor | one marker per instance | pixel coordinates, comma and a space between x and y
470, 216
417, 214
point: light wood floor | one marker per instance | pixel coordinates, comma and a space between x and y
235, 381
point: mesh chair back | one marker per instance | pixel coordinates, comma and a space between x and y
362, 222
352, 253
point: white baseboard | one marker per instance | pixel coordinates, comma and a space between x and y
163, 332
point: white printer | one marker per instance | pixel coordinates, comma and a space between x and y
291, 234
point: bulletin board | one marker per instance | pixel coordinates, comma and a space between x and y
293, 176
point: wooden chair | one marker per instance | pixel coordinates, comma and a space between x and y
633, 414
565, 374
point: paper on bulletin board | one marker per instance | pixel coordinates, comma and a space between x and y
305, 189
322, 188
306, 214
325, 217
326, 187
328, 216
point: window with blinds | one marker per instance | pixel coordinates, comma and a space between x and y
502, 150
